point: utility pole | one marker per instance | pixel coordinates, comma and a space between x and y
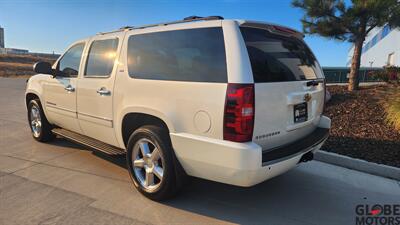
370, 63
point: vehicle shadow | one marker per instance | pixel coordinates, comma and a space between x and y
282, 200
118, 160
61, 142
309, 194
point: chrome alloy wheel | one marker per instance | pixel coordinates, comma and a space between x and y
148, 164
36, 121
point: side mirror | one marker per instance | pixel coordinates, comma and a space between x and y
43, 67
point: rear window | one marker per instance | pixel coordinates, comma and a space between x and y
276, 58
181, 55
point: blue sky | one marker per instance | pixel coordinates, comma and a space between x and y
46, 26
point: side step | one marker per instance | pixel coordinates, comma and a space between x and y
89, 142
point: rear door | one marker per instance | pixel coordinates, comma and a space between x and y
96, 88
289, 89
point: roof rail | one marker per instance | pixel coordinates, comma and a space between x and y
185, 20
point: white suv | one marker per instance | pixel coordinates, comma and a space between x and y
232, 101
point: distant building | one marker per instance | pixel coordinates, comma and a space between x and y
15, 51
1, 37
4, 50
381, 48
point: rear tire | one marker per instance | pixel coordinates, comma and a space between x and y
152, 164
40, 127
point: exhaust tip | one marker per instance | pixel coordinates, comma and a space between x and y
307, 157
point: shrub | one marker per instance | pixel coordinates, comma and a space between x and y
390, 74
392, 108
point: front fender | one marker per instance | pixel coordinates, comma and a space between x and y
35, 86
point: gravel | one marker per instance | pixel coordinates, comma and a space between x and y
359, 129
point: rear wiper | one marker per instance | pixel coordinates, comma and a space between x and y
314, 82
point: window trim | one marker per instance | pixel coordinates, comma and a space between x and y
57, 64
84, 75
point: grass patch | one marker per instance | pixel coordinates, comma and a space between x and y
20, 65
392, 107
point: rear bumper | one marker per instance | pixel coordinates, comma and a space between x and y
242, 164
304, 145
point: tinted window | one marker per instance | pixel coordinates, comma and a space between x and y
276, 58
182, 55
69, 63
101, 58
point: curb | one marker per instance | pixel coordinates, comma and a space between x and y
358, 164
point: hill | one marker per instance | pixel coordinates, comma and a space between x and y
21, 65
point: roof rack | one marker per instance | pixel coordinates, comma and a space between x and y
185, 20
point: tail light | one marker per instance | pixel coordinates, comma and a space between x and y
239, 113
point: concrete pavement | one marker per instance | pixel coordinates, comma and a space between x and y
64, 183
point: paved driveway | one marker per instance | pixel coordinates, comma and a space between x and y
63, 183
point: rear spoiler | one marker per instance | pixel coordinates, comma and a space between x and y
273, 28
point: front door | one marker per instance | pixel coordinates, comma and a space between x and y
60, 91
95, 89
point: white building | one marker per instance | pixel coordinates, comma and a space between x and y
381, 48
14, 51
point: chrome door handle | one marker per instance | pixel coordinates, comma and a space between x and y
103, 91
69, 88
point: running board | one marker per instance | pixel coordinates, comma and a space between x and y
89, 142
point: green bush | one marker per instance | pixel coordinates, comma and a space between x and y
390, 74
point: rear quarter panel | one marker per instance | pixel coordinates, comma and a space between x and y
186, 107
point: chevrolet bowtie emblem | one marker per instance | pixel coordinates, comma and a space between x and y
307, 97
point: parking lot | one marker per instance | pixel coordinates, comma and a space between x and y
64, 183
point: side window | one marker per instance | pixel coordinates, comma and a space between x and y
101, 58
181, 55
68, 65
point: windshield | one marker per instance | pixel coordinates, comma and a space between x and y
277, 58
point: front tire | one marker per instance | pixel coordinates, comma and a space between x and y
152, 163
40, 127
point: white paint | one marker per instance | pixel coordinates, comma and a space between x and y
378, 55
193, 111
202, 121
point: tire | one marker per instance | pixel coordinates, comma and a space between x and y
40, 127
145, 171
